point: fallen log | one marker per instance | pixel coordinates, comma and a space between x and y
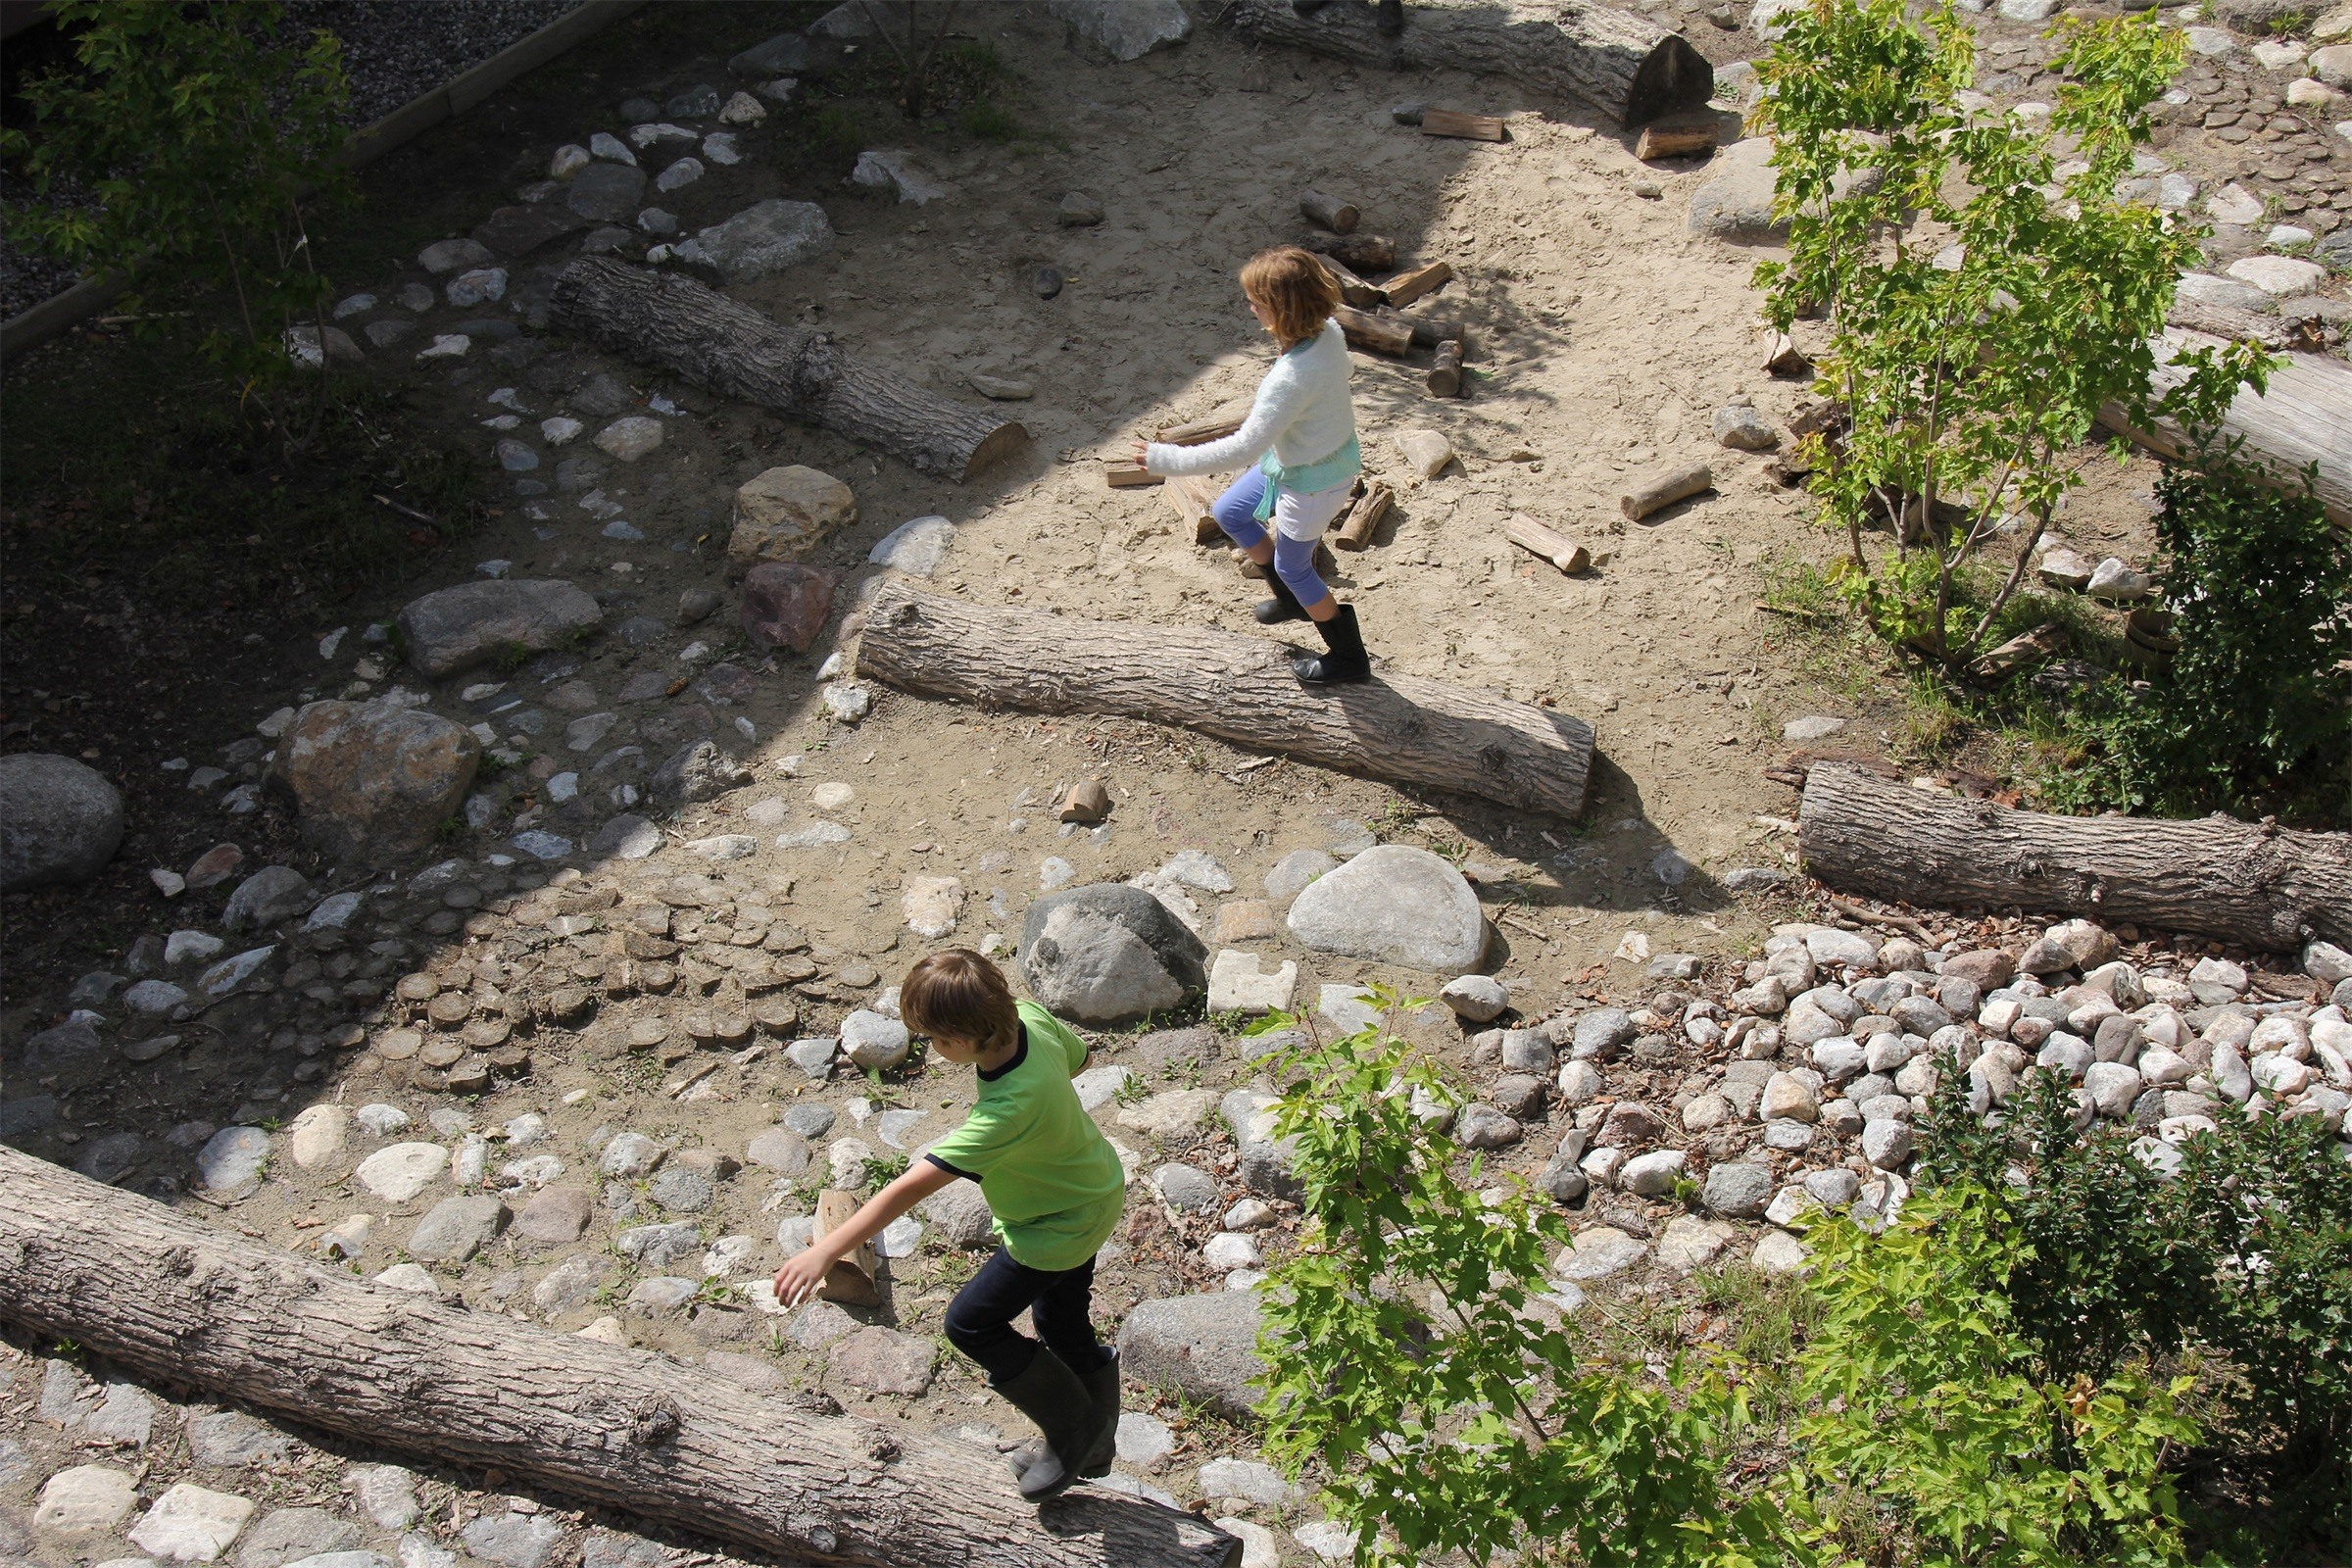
1622, 65
662, 318
1396, 727
2304, 417
640, 1432
2257, 886
1381, 335
1406, 287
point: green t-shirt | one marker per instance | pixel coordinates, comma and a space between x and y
1051, 1178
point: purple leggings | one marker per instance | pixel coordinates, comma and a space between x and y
1293, 558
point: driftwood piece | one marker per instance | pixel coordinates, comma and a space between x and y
631, 1429
1445, 378
2261, 887
661, 319
1406, 287
1665, 488
1462, 126
1396, 728
1199, 432
849, 1280
1363, 253
1627, 66
2304, 417
1338, 216
1548, 543
1364, 513
1382, 334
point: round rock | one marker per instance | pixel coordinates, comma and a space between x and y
1109, 954
60, 822
1394, 905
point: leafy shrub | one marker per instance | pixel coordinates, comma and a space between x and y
2255, 707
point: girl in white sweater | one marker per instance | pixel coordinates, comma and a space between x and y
1300, 437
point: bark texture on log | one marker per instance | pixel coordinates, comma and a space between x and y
1627, 67
1239, 689
2304, 417
629, 1428
664, 318
2263, 888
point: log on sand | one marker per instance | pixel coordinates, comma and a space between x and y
2304, 417
1399, 728
2261, 887
672, 320
1625, 66
628, 1428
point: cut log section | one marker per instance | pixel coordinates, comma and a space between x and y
1365, 515
1682, 138
1125, 473
1194, 498
851, 1279
1406, 287
1627, 67
1363, 253
1664, 489
1445, 380
2304, 417
639, 1432
1548, 544
662, 318
1381, 335
1354, 290
2259, 887
1340, 216
1462, 126
1396, 727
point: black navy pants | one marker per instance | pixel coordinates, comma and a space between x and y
1060, 1305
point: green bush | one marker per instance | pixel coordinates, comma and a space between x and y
2254, 713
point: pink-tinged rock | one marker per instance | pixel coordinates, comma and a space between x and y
785, 605
214, 866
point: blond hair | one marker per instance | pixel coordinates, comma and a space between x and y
1295, 290
959, 994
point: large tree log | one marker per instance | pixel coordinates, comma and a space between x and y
1239, 689
672, 320
2304, 417
2257, 886
643, 1432
1628, 68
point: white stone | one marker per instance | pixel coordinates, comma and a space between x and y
2233, 203
2279, 275
86, 1499
398, 1172
1237, 984
315, 1134
630, 438
191, 1524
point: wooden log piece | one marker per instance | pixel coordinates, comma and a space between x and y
1546, 543
1363, 253
1340, 216
659, 318
2229, 322
1238, 688
1782, 357
1379, 333
1627, 66
1364, 513
2259, 887
1462, 126
1194, 498
1354, 290
1680, 138
1406, 287
633, 1430
1664, 488
1125, 473
1445, 380
1199, 432
2303, 418
1427, 332
851, 1281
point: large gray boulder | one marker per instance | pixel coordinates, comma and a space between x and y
1128, 29
375, 781
1202, 1347
1396, 905
60, 822
474, 622
1109, 953
767, 237
1734, 205
697, 772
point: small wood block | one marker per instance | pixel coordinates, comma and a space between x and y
1406, 287
1379, 333
1467, 127
1087, 801
1352, 289
851, 1279
1125, 473
1199, 432
1665, 488
1194, 498
1784, 357
1445, 378
1366, 253
1552, 546
1354, 531
1340, 216
1664, 139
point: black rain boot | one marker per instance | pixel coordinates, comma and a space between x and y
1050, 1394
1345, 662
1284, 606
1103, 1387
1388, 17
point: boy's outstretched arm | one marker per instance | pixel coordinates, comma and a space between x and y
805, 1270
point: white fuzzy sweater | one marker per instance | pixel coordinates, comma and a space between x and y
1302, 412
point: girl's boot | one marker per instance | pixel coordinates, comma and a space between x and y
1284, 606
1345, 661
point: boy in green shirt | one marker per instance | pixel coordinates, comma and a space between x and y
1055, 1187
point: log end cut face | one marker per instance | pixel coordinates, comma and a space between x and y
1672, 77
